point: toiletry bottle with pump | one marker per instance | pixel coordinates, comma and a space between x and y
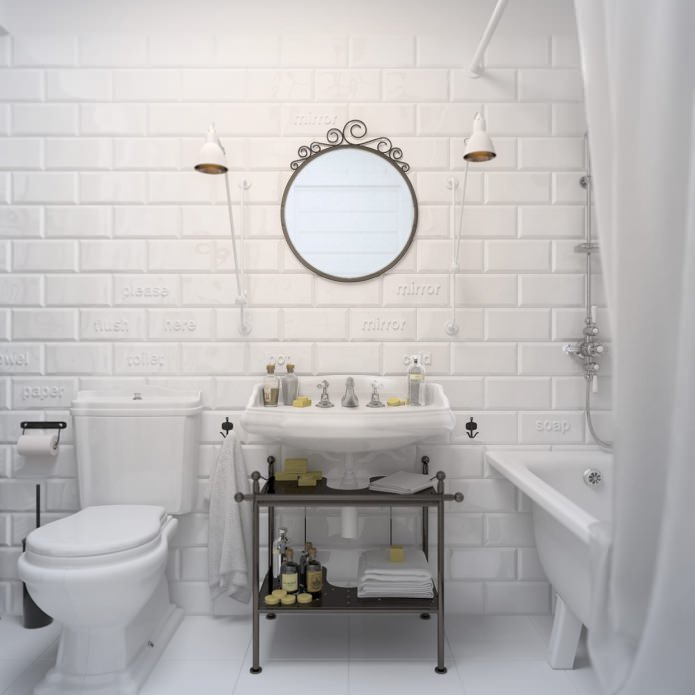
271, 387
290, 385
289, 574
314, 574
416, 383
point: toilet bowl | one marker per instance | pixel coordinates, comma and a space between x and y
101, 571
101, 574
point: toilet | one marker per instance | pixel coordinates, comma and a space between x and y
101, 571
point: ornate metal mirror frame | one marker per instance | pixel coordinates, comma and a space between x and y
401, 192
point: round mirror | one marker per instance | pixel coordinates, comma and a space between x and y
349, 213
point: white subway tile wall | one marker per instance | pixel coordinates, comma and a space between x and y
116, 268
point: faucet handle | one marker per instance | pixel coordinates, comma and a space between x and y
375, 402
324, 400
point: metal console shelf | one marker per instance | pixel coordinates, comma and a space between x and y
339, 599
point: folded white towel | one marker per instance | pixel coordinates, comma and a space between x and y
395, 592
375, 563
229, 526
377, 576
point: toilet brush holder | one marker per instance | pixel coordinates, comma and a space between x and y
32, 615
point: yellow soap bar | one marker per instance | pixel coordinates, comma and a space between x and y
396, 553
316, 475
306, 481
302, 402
279, 593
271, 600
288, 600
284, 475
394, 401
296, 466
304, 598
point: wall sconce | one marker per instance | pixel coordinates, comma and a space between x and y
479, 148
213, 160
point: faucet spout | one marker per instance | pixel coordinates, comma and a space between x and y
350, 399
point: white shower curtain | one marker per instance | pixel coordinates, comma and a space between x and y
639, 75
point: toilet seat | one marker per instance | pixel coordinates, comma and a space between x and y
98, 530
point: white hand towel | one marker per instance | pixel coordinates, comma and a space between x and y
229, 527
376, 564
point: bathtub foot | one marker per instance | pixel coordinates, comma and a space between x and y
564, 638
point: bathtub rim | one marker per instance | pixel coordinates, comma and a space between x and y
513, 465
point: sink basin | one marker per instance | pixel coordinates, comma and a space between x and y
351, 430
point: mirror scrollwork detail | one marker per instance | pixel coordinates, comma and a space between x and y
349, 212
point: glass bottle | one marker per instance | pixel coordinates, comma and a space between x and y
289, 574
271, 387
416, 383
303, 558
290, 385
279, 550
314, 574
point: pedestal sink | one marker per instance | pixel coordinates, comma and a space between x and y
351, 431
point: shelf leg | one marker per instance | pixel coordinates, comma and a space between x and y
425, 513
440, 668
255, 536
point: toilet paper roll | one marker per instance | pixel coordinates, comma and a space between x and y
348, 518
38, 445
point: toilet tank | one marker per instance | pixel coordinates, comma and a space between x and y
137, 447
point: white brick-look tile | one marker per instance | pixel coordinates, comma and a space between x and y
20, 290
78, 153
384, 51
551, 290
44, 50
498, 85
517, 393
550, 85
347, 85
44, 119
517, 187
486, 290
551, 221
20, 153
43, 187
517, 256
78, 85
46, 255
519, 52
80, 221
112, 50
485, 358
78, 290
116, 267
44, 324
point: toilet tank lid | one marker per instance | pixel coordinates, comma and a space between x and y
98, 530
147, 400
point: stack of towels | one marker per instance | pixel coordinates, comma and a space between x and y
379, 577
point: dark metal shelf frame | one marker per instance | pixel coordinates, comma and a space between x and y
336, 599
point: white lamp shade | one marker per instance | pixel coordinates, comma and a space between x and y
479, 147
212, 159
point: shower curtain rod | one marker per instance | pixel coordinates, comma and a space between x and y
475, 68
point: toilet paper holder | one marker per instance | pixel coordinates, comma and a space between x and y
44, 425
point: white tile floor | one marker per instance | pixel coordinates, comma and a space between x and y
356, 655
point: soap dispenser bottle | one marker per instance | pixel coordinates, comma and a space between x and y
271, 387
416, 383
290, 385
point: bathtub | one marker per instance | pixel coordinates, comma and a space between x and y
564, 507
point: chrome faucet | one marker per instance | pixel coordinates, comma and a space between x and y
350, 399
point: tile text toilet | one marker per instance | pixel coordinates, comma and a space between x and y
101, 572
